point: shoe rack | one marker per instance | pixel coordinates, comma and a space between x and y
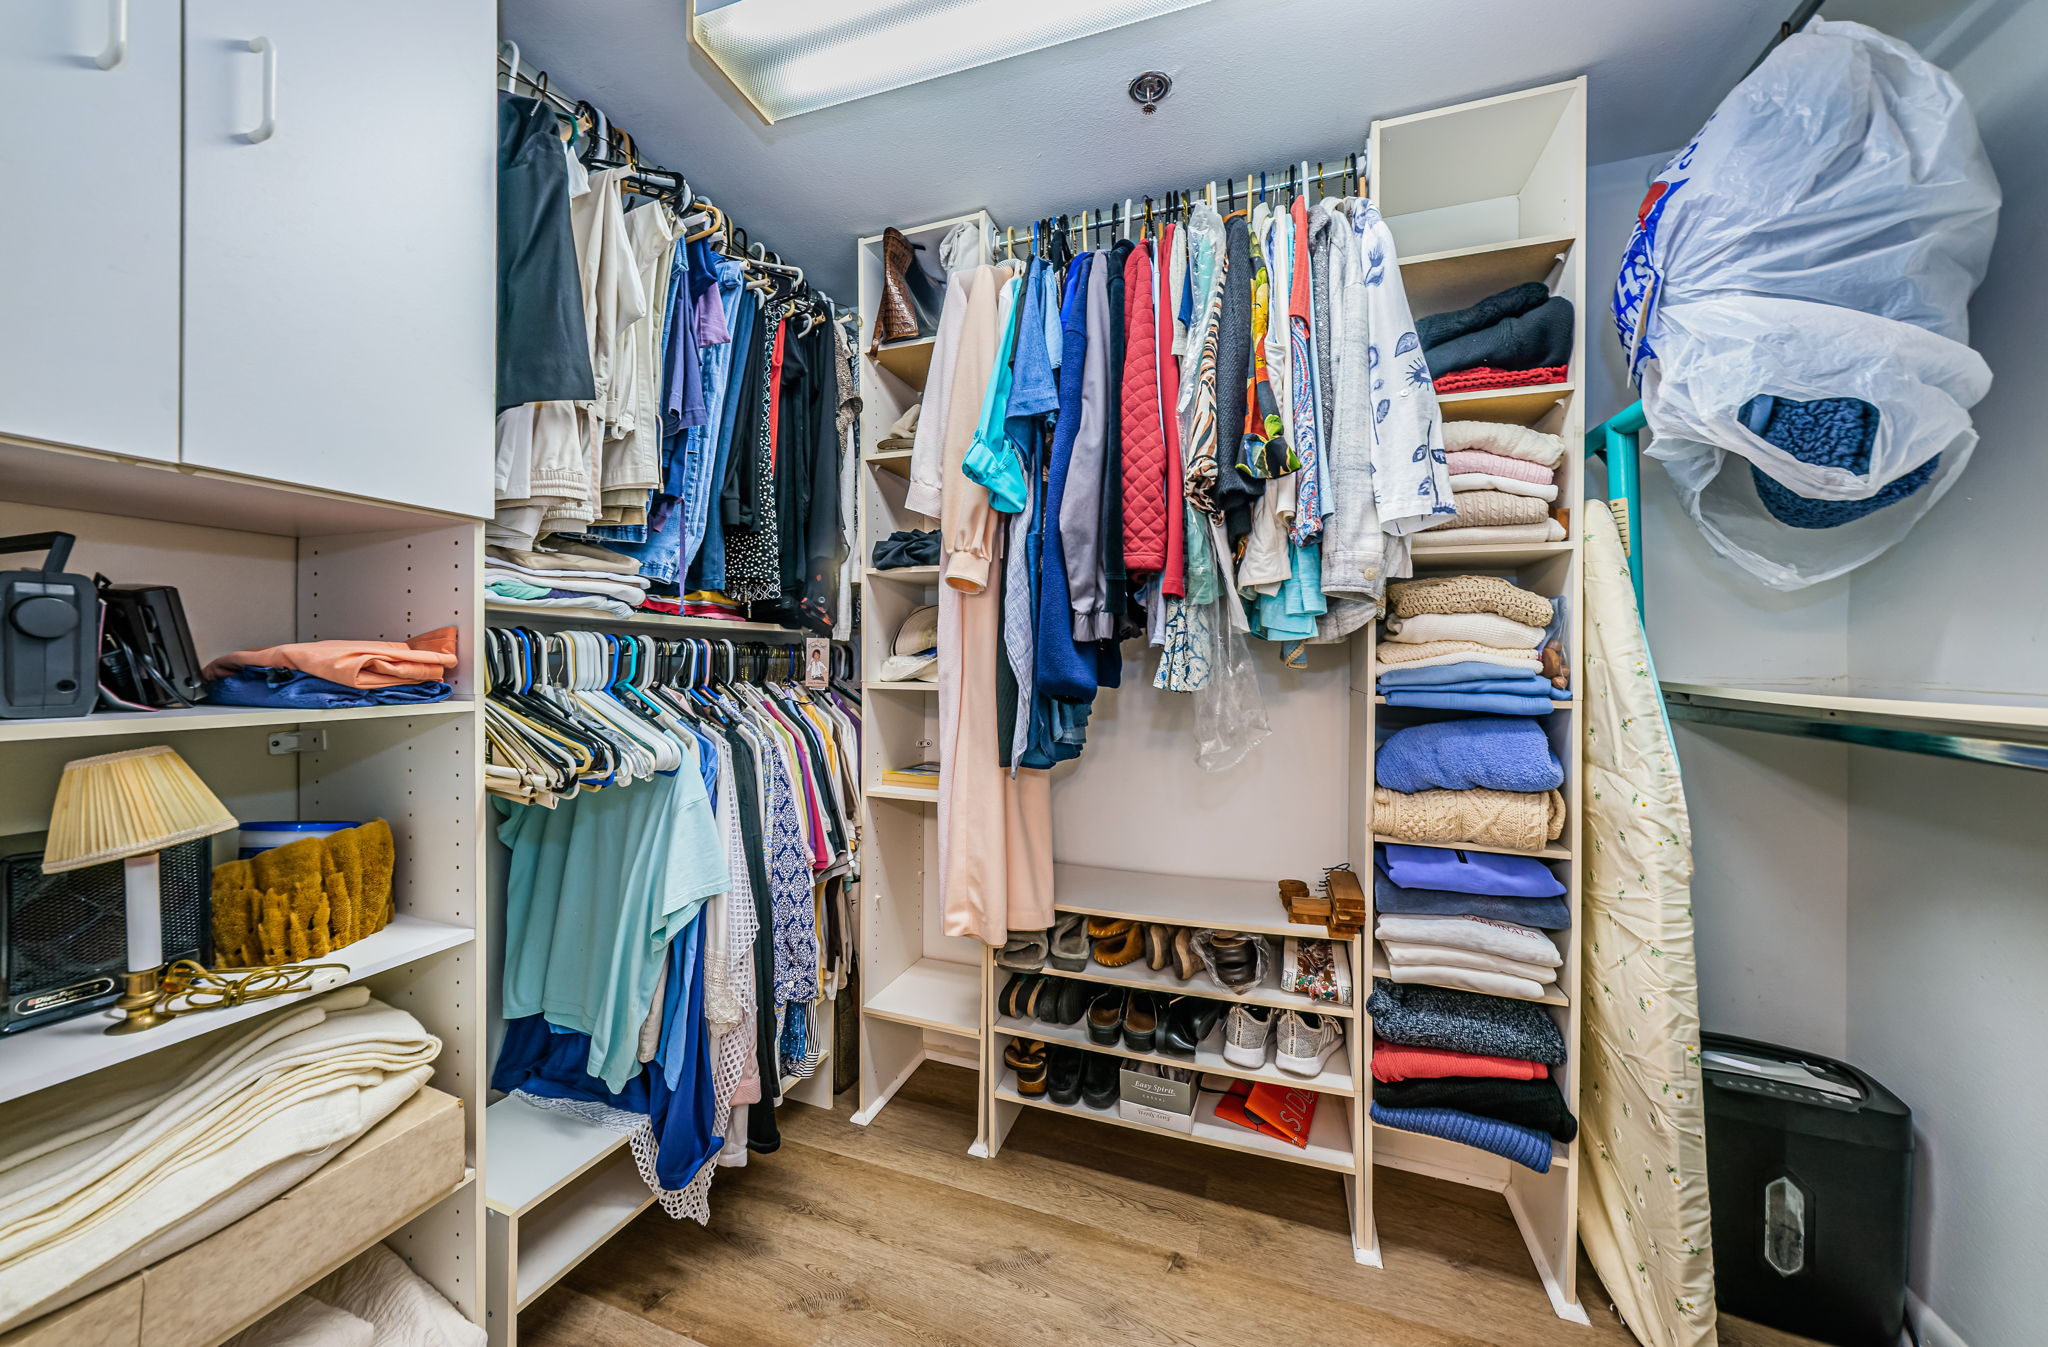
1478, 196
922, 991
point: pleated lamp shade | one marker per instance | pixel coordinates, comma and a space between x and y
128, 804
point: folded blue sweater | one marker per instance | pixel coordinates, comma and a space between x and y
1488, 703
1462, 871
1495, 754
1524, 1145
1527, 686
1545, 914
1464, 671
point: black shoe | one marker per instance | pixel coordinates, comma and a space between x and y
1099, 1081
1014, 996
1141, 1021
1064, 1001
1106, 1016
1187, 1021
1064, 1075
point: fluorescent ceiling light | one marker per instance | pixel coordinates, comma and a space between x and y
794, 56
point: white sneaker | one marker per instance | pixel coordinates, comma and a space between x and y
1304, 1041
1245, 1032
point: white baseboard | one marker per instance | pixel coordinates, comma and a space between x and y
1926, 1328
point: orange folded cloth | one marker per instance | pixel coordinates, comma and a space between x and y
1396, 1061
426, 658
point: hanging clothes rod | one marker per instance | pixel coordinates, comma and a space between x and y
1294, 180
518, 71
1806, 10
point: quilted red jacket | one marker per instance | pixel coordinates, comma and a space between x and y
1173, 581
1144, 436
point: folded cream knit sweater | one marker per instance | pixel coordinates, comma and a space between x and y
1467, 594
1549, 531
1495, 437
1490, 509
1428, 654
1523, 821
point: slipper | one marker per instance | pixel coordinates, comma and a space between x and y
1068, 946
1116, 942
1026, 1057
1025, 951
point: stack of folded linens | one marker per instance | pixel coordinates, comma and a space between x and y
1469, 919
565, 575
105, 1174
1466, 643
1469, 1068
1504, 483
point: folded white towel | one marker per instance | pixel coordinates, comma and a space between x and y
1450, 956
1485, 628
1468, 979
1486, 481
1497, 437
563, 573
1484, 934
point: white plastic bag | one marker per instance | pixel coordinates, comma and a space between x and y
1820, 238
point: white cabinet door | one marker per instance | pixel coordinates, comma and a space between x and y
89, 224
340, 243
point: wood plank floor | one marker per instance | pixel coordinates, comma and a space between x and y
1086, 1235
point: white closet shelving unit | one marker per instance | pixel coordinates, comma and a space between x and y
1478, 196
304, 452
246, 583
922, 991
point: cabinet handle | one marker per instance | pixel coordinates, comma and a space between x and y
117, 36
268, 126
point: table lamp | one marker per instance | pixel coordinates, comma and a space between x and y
128, 807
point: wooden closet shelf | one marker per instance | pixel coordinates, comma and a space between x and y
187, 718
39, 1058
910, 361
1550, 853
1329, 1135
933, 994
1162, 980
1248, 905
1335, 1078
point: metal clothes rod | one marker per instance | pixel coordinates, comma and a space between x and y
516, 69
1294, 179
1806, 10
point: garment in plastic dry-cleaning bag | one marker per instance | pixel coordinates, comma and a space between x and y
1818, 240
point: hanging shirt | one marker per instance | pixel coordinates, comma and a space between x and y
596, 889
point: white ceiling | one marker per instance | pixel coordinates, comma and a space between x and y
1257, 83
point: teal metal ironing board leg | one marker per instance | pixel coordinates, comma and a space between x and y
1616, 439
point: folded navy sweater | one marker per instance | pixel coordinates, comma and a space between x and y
1525, 1103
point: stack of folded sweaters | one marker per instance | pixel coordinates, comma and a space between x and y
1518, 337
1468, 919
327, 675
1469, 643
566, 575
1490, 781
1468, 1068
1504, 483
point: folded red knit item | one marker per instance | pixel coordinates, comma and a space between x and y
657, 604
1485, 376
1395, 1061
